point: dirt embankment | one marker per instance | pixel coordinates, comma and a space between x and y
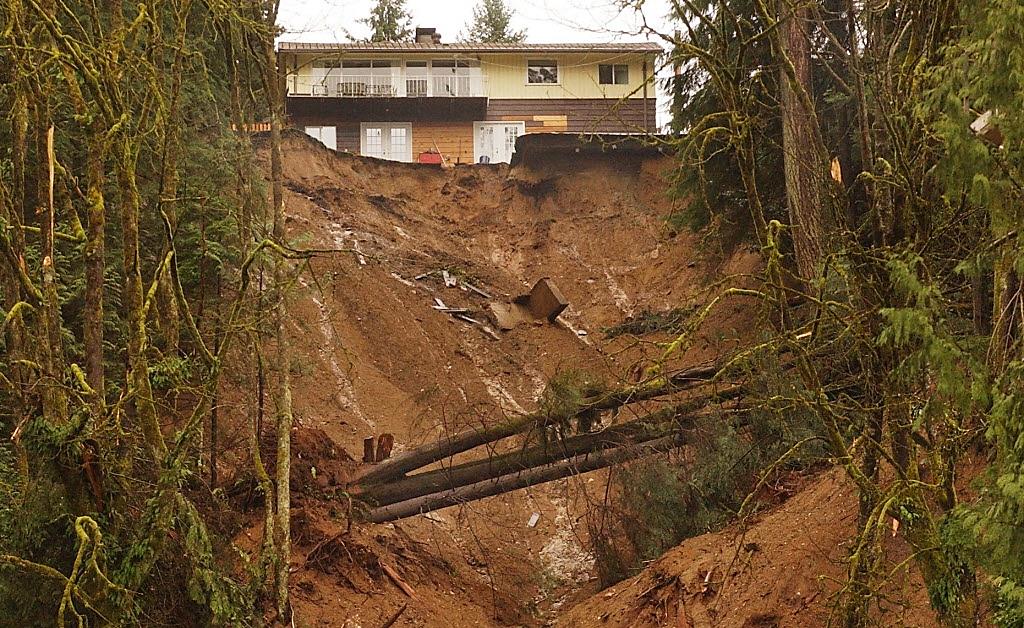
372, 355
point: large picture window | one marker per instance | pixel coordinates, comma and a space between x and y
613, 74
542, 72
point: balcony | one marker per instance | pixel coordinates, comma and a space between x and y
361, 85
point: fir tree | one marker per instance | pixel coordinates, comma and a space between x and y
389, 21
492, 23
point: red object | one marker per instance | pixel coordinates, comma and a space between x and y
430, 157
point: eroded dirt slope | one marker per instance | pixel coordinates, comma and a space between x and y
373, 355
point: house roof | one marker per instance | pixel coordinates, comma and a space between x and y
635, 47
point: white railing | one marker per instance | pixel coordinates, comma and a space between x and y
393, 86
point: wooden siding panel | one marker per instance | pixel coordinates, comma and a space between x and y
580, 115
453, 139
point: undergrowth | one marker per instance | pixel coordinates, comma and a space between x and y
649, 321
655, 504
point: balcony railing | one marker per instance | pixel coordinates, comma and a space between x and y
393, 86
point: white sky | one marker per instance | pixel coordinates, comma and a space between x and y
545, 21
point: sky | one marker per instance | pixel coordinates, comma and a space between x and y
545, 21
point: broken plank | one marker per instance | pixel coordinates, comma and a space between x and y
449, 281
401, 584
476, 290
463, 317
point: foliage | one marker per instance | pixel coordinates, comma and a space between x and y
156, 204
658, 503
389, 20
566, 393
985, 70
707, 178
492, 24
648, 321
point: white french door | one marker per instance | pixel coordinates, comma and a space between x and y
496, 141
386, 140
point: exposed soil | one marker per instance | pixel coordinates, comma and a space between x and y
373, 355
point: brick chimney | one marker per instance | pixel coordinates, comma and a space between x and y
427, 36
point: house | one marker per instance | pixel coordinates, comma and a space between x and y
464, 102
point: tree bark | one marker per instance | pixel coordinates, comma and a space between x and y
515, 481
95, 252
138, 365
466, 440
801, 141
273, 83
664, 422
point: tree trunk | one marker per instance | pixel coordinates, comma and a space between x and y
801, 142
515, 481
466, 440
273, 84
138, 365
95, 251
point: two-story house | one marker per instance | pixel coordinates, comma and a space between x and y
464, 102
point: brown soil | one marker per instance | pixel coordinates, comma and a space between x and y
782, 569
371, 355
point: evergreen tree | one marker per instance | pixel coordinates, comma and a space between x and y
389, 21
492, 24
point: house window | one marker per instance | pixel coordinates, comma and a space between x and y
613, 74
542, 72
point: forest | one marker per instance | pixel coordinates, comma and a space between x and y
158, 261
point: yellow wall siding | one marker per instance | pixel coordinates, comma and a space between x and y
506, 73
577, 74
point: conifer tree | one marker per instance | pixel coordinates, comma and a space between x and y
389, 21
492, 23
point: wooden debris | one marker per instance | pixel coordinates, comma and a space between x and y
385, 442
401, 584
449, 281
403, 280
452, 310
985, 128
391, 622
473, 288
369, 449
468, 319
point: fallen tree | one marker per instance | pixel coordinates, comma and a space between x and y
591, 461
449, 446
664, 422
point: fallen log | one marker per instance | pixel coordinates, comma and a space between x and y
463, 441
506, 483
657, 424
496, 466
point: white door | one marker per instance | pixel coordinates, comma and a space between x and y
328, 135
496, 140
386, 140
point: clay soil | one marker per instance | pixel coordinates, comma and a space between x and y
371, 355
